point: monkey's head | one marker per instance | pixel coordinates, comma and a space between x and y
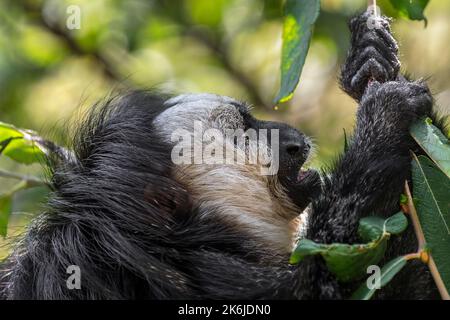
232, 164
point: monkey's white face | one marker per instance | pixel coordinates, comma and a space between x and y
212, 130
184, 110
251, 195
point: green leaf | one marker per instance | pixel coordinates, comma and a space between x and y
350, 262
370, 228
433, 142
412, 9
305, 248
9, 131
347, 262
432, 191
299, 20
20, 145
387, 274
5, 212
396, 224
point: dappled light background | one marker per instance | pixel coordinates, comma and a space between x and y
49, 74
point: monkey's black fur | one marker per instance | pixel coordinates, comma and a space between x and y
117, 213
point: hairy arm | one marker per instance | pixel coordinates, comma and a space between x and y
369, 177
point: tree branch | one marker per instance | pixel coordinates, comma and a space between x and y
415, 219
63, 34
219, 51
437, 279
30, 181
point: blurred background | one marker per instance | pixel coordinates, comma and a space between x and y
49, 74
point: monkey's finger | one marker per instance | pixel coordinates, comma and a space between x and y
367, 24
388, 39
372, 69
358, 24
371, 52
371, 39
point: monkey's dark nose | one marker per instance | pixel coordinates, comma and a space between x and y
298, 149
294, 149
295, 144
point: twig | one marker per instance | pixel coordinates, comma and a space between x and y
412, 256
437, 279
29, 181
371, 3
415, 219
422, 244
107, 68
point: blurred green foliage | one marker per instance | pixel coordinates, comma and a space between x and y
49, 74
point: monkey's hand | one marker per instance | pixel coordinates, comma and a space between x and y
367, 180
388, 109
372, 55
370, 176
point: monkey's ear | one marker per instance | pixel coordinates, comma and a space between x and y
170, 197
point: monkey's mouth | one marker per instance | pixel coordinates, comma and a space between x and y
301, 184
311, 180
305, 174
306, 188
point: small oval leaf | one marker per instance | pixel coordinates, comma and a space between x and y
396, 224
370, 228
